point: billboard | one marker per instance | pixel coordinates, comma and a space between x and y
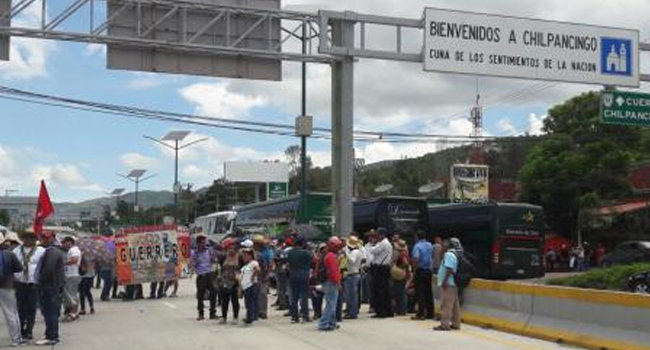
204, 27
151, 254
514, 47
469, 183
256, 172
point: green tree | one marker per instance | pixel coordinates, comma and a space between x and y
5, 219
293, 156
581, 163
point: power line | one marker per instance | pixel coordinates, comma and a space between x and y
224, 123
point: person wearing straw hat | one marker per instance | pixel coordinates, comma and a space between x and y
352, 281
72, 279
30, 255
382, 253
9, 265
264, 255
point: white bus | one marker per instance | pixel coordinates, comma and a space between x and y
216, 225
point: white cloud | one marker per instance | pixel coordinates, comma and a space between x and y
63, 175
95, 49
202, 162
505, 125
145, 81
28, 57
218, 100
7, 164
137, 161
536, 124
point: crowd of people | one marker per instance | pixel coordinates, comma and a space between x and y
51, 276
336, 277
580, 257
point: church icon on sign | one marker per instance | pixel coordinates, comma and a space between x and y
616, 56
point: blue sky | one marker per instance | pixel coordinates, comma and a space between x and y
79, 153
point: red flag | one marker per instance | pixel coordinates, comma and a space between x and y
43, 210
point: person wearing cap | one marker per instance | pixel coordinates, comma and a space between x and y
72, 279
299, 261
265, 259
30, 255
351, 282
202, 262
423, 255
250, 284
382, 254
10, 265
400, 273
331, 286
51, 278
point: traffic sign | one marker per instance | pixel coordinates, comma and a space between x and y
514, 47
625, 108
275, 190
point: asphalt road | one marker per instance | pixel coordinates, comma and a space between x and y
170, 324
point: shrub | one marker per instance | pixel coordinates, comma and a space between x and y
612, 278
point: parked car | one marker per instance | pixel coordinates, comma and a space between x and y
628, 253
639, 283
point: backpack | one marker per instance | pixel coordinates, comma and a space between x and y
321, 275
464, 271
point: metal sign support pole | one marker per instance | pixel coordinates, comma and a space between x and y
342, 127
303, 138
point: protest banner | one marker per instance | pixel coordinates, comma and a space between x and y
151, 254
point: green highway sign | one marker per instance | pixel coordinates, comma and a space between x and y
275, 190
625, 108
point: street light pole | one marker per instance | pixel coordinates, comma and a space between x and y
175, 136
303, 138
175, 173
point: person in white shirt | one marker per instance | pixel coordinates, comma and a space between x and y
72, 279
382, 254
351, 282
250, 284
25, 283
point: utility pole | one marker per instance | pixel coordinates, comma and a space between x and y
176, 137
135, 176
304, 128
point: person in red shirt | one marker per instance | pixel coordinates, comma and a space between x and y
331, 285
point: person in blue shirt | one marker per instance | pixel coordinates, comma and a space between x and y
450, 307
422, 256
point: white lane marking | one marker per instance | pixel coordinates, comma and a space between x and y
170, 305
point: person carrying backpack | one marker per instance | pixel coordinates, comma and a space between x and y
448, 283
9, 265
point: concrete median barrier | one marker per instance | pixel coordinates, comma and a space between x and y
591, 319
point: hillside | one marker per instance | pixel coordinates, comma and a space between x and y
505, 157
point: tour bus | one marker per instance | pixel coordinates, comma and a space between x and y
402, 215
275, 216
216, 225
502, 240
